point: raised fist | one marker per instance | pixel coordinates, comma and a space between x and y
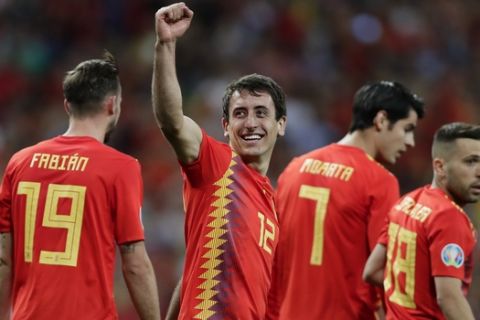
171, 22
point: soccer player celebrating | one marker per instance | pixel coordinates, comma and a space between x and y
231, 227
64, 203
332, 203
429, 241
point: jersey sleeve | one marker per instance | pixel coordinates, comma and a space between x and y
5, 203
451, 242
384, 193
213, 160
128, 196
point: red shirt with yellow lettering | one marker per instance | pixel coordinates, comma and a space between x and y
66, 202
332, 204
428, 236
231, 234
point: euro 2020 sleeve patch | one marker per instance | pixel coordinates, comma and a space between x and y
452, 255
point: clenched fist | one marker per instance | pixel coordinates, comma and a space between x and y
171, 22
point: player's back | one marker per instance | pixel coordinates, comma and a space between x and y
64, 220
326, 200
436, 238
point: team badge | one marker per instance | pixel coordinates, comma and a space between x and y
452, 255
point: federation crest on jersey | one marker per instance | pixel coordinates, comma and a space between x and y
452, 255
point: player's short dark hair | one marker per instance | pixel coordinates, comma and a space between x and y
255, 83
450, 132
457, 130
392, 97
89, 83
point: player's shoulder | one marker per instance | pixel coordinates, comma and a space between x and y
377, 172
313, 154
450, 218
443, 208
116, 157
449, 211
26, 152
296, 162
213, 146
212, 142
376, 166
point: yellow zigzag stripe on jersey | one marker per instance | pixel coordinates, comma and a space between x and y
217, 225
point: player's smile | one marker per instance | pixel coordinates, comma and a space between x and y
252, 138
252, 127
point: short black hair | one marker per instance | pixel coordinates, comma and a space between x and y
447, 134
255, 83
392, 97
457, 130
89, 83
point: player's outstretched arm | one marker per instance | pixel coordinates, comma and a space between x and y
451, 300
174, 306
182, 132
140, 279
5, 274
373, 271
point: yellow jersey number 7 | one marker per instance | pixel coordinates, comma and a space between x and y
321, 197
52, 219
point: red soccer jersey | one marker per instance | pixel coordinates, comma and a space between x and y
428, 236
332, 203
231, 233
66, 202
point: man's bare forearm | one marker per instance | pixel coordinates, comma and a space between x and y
140, 279
166, 92
174, 306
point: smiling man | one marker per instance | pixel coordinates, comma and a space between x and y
231, 227
424, 258
331, 205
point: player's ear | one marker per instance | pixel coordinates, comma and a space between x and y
439, 167
66, 106
225, 125
380, 121
281, 125
109, 104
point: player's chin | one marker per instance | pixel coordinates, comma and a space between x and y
251, 146
391, 160
251, 151
396, 156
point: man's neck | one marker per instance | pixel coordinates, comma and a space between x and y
362, 139
87, 128
258, 164
438, 184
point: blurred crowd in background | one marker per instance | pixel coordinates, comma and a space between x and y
320, 52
